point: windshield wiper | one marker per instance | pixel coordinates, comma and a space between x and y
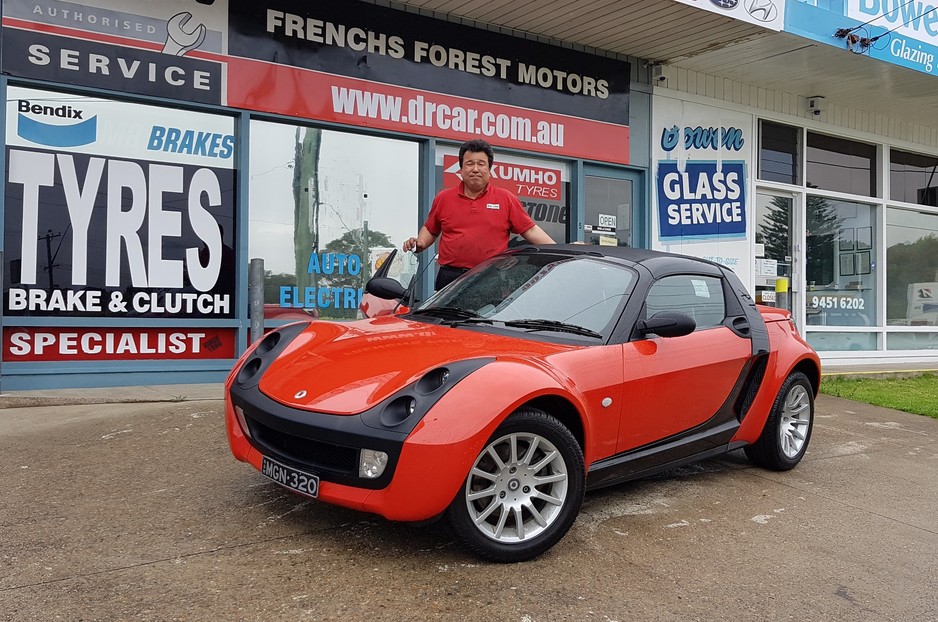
553, 325
451, 315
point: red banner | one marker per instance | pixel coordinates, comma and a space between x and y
316, 95
112, 344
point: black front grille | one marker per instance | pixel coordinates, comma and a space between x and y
304, 451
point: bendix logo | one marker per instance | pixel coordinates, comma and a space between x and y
48, 129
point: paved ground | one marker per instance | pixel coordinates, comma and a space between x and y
136, 511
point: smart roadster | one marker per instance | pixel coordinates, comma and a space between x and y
543, 373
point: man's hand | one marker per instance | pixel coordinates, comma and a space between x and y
419, 243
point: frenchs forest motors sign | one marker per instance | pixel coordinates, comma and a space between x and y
367, 65
117, 210
345, 62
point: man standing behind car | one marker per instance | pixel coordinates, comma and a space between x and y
475, 219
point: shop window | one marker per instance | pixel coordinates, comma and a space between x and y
842, 341
840, 266
911, 268
326, 208
912, 178
779, 153
912, 341
841, 165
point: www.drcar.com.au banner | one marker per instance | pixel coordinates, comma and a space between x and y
118, 210
368, 65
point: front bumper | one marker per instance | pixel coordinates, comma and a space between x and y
324, 444
423, 475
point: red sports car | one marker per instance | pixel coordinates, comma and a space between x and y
543, 373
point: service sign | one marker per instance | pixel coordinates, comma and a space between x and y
702, 204
170, 48
30, 344
117, 210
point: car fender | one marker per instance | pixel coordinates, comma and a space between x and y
781, 363
438, 454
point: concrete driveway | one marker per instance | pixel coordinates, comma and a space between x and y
136, 511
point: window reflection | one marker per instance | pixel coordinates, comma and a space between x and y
773, 232
841, 165
325, 207
911, 268
912, 178
780, 153
840, 266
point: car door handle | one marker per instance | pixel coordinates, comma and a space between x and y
741, 325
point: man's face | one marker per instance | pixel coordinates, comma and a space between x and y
475, 170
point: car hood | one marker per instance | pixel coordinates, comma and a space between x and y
346, 368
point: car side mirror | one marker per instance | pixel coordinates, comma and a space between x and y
384, 287
667, 324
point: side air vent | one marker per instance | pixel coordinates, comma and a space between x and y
751, 388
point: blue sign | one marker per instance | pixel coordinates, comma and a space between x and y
701, 200
899, 33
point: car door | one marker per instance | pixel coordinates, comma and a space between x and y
675, 384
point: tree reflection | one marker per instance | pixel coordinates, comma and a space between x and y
823, 227
907, 263
823, 230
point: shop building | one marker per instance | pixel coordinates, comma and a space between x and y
180, 174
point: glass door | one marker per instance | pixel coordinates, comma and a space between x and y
775, 281
612, 200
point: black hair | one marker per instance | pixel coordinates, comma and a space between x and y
477, 146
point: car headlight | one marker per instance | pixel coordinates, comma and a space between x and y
372, 463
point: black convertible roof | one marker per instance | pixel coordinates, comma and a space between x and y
659, 263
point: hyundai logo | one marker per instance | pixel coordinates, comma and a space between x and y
762, 10
300, 394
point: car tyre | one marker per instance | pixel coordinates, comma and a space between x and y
784, 439
524, 489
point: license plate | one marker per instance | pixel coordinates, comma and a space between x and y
304, 483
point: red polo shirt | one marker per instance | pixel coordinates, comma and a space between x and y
472, 230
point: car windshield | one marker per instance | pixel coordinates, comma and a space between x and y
545, 290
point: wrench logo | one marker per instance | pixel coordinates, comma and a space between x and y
178, 39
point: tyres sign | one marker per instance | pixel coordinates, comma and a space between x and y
117, 210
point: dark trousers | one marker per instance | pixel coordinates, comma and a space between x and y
447, 274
